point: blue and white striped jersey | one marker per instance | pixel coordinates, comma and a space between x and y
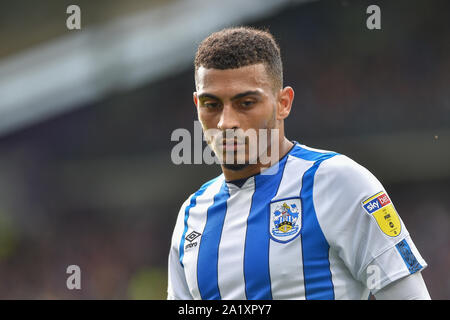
319, 226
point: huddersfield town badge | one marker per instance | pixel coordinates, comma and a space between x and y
285, 219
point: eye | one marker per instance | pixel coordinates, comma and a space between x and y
247, 103
210, 104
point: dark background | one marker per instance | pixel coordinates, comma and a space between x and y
95, 185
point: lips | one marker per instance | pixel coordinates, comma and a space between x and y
231, 145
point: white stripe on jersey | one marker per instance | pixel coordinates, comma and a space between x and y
231, 258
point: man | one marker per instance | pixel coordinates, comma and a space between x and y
310, 225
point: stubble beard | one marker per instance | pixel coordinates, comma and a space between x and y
241, 166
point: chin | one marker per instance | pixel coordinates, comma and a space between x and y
236, 167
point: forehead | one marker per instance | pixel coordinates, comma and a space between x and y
232, 81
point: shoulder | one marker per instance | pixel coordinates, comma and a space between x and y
341, 185
346, 172
306, 153
188, 203
337, 174
328, 161
326, 164
201, 190
208, 185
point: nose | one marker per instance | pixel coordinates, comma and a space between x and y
228, 118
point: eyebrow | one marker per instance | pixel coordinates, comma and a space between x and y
237, 96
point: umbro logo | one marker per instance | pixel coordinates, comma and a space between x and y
192, 236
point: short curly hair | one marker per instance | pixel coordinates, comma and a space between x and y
237, 47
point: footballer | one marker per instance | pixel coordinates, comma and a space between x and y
309, 224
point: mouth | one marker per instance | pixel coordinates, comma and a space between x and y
231, 145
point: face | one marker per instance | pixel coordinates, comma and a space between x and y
234, 107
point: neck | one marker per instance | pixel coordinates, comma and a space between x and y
284, 146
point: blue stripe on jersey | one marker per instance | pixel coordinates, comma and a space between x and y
408, 257
315, 248
208, 254
192, 204
257, 238
310, 155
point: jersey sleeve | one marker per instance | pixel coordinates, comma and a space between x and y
361, 224
411, 287
177, 288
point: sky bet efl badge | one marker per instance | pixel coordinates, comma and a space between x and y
285, 219
381, 208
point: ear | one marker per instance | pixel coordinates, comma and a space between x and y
285, 99
194, 96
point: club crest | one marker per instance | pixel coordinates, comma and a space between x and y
285, 219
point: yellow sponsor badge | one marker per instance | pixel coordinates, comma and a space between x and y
381, 208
